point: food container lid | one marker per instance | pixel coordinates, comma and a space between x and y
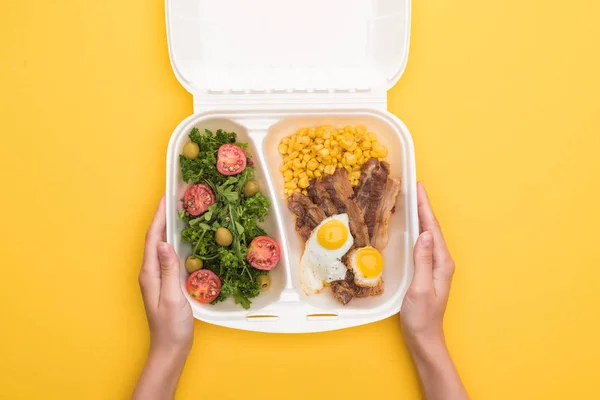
265, 52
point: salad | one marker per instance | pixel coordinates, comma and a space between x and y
232, 255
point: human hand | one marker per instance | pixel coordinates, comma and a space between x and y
422, 312
423, 308
169, 313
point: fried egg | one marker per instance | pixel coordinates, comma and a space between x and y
367, 265
321, 261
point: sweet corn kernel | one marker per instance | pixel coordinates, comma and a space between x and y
284, 168
282, 148
294, 155
350, 159
303, 182
312, 164
305, 192
318, 147
298, 146
355, 174
287, 173
297, 163
321, 168
349, 129
367, 154
358, 153
319, 140
323, 152
329, 170
334, 143
348, 168
302, 175
310, 174
286, 159
327, 143
326, 135
372, 137
306, 157
340, 165
305, 140
305, 151
365, 145
302, 131
292, 185
285, 140
317, 174
296, 173
360, 129
334, 152
327, 161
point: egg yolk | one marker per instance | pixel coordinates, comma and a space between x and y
369, 262
332, 235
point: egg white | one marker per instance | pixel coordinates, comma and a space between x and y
319, 264
359, 278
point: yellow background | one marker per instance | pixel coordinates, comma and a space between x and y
502, 99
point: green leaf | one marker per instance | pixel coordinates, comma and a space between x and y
239, 227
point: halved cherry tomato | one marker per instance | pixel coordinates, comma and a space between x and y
263, 253
231, 159
203, 285
197, 199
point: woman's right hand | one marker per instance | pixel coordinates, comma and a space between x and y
425, 301
422, 312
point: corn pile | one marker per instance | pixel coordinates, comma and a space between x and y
315, 152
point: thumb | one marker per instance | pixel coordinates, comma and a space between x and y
169, 272
423, 254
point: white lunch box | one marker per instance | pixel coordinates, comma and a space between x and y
264, 69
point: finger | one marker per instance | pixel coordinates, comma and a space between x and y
155, 235
429, 222
169, 273
423, 254
149, 277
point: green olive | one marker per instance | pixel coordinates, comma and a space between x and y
191, 150
223, 237
250, 188
193, 264
264, 282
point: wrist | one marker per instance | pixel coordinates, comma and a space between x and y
172, 355
426, 346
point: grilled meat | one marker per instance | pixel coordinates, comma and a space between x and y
341, 194
319, 196
346, 289
379, 238
308, 214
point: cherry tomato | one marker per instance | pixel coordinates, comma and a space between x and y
203, 285
197, 199
263, 253
231, 159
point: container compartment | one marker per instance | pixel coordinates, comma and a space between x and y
397, 255
175, 189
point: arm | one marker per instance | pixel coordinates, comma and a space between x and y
169, 316
423, 310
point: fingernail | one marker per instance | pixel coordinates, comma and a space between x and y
426, 239
163, 250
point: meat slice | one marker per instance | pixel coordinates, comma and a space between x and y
308, 214
319, 196
364, 184
342, 196
369, 192
345, 290
380, 237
